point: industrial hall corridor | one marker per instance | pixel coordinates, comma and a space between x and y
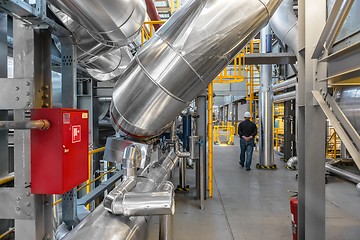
255, 205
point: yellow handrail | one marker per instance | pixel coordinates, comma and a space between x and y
7, 233
92, 181
7, 179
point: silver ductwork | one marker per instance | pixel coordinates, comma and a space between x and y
285, 25
348, 99
103, 62
181, 59
266, 113
101, 224
110, 22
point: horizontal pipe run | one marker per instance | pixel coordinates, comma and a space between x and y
7, 178
160, 202
35, 124
122, 227
104, 99
285, 85
352, 177
285, 97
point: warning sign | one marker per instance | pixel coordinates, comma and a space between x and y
76, 133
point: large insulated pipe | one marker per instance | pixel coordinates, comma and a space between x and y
266, 114
285, 25
101, 224
103, 62
348, 99
181, 59
111, 22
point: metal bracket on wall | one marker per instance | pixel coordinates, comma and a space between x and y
16, 203
341, 124
16, 93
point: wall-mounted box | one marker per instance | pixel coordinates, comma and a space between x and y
59, 155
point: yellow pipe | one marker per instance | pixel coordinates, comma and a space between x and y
7, 179
177, 5
7, 233
210, 139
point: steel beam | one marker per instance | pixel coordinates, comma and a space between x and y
312, 122
270, 58
25, 52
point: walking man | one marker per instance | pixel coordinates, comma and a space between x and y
247, 131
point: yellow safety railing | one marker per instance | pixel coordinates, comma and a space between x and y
148, 30
252, 83
224, 130
174, 5
233, 73
332, 145
89, 181
7, 233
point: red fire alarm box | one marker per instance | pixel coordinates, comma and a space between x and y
59, 155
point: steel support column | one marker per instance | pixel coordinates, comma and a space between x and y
312, 124
69, 100
201, 128
25, 53
4, 158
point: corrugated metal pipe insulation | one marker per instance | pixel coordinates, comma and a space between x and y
102, 30
181, 59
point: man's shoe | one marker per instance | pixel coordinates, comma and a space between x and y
248, 169
242, 165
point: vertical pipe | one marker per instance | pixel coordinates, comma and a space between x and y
182, 173
266, 115
166, 228
210, 139
202, 179
186, 119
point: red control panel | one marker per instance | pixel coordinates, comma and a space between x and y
59, 155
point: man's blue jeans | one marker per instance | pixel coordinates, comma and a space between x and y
247, 149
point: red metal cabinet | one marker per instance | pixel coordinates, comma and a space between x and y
59, 155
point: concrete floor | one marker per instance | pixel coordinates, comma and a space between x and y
255, 205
